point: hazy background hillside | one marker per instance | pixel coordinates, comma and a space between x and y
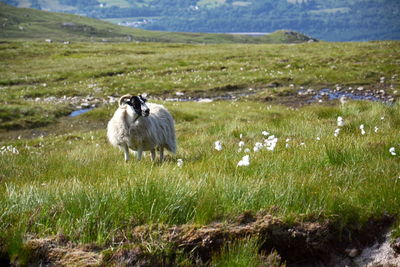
31, 24
331, 20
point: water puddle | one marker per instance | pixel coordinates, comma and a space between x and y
79, 112
328, 94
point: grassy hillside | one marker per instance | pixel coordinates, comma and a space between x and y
64, 191
28, 24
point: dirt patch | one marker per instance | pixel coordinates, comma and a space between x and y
52, 252
298, 244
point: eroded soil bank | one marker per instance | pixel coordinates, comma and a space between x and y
299, 244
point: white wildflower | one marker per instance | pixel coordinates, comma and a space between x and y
247, 150
9, 150
392, 151
180, 163
287, 143
257, 147
241, 145
241, 136
340, 122
382, 118
245, 161
362, 129
270, 143
336, 133
376, 129
318, 138
265, 133
218, 145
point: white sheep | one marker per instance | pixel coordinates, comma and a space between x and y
141, 127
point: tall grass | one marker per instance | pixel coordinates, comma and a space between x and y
241, 253
78, 185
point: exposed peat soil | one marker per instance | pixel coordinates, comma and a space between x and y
298, 244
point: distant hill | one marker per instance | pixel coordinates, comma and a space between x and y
330, 20
27, 23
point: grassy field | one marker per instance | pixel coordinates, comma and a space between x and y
31, 69
76, 185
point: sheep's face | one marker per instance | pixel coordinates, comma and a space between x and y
138, 103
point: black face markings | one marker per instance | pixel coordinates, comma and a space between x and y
139, 105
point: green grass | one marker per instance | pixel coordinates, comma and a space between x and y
242, 253
80, 186
32, 69
28, 114
77, 185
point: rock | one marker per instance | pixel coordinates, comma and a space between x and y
112, 99
273, 85
352, 253
85, 104
50, 99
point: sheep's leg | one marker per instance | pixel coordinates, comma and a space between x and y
161, 154
139, 154
126, 152
153, 154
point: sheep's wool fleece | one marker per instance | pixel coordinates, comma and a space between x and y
146, 133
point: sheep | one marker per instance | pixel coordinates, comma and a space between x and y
141, 127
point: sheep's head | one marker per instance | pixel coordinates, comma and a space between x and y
135, 104
139, 105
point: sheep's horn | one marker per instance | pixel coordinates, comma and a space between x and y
123, 98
